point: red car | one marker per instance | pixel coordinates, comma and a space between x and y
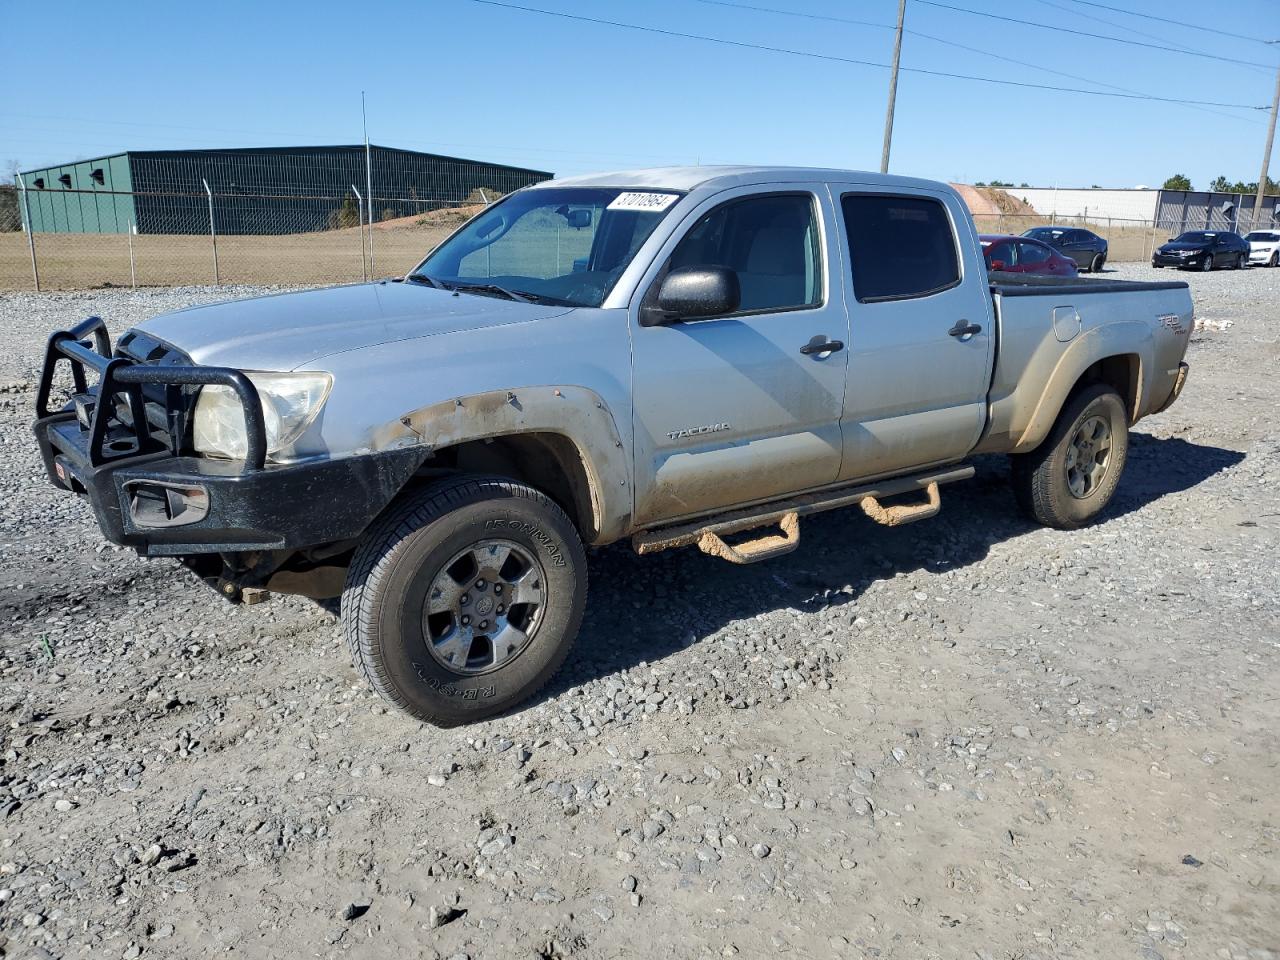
1023, 255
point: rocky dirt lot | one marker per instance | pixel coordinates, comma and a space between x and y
964, 738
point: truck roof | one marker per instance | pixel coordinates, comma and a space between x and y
723, 177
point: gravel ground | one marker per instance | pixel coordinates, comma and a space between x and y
969, 737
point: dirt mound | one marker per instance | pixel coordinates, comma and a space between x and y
432, 219
992, 201
1006, 203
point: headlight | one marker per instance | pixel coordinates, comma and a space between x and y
290, 401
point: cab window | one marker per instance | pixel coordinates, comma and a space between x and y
771, 242
899, 247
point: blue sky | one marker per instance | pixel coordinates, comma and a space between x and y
457, 77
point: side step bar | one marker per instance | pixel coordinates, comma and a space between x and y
709, 533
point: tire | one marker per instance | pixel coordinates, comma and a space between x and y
1095, 265
1208, 263
443, 547
1042, 479
1239, 261
1275, 259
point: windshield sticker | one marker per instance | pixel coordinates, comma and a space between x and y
651, 202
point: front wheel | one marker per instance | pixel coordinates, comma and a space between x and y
1275, 259
1070, 478
1208, 263
465, 599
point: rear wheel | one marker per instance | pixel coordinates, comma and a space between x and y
1070, 478
465, 599
1095, 265
1240, 261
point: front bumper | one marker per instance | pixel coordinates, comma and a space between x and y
1170, 260
149, 493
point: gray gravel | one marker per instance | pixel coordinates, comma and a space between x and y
969, 737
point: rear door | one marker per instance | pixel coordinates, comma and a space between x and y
728, 409
920, 330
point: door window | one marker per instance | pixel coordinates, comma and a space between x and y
1032, 253
1002, 252
771, 242
900, 247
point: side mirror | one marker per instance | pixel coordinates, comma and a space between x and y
690, 293
579, 218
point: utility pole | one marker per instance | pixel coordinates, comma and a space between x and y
1266, 158
893, 89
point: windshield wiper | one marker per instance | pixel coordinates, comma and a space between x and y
492, 288
430, 281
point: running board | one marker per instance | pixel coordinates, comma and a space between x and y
708, 534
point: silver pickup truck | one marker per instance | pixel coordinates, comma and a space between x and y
693, 356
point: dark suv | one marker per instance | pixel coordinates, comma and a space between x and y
1085, 247
1204, 250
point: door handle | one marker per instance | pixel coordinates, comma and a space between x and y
964, 328
819, 345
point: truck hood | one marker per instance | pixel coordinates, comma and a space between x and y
286, 331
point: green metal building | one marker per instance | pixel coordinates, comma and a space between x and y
256, 190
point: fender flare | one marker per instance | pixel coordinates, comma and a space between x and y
1124, 338
576, 413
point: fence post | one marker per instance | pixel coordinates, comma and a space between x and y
213, 233
31, 234
133, 270
364, 264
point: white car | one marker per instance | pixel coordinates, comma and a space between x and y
1264, 247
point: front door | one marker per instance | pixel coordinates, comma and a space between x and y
728, 410
920, 331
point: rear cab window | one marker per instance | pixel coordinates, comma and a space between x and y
900, 247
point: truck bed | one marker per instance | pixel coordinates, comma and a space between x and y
1044, 325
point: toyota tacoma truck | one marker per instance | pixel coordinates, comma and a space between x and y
692, 356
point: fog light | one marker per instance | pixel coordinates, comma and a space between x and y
166, 505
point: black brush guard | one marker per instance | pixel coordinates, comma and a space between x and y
122, 443
124, 377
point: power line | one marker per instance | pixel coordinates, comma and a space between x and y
832, 58
1178, 23
797, 13
1128, 29
1040, 68
1094, 36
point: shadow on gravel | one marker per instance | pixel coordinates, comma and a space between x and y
1157, 468
641, 610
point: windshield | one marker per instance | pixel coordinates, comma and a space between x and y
1044, 233
1194, 236
1259, 236
554, 244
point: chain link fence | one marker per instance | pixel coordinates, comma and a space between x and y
1128, 241
242, 239
174, 239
